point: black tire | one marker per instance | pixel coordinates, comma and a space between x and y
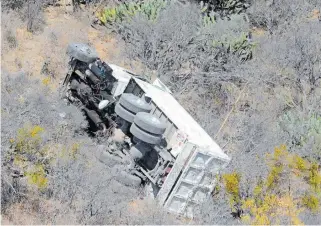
145, 136
82, 52
134, 103
123, 113
149, 123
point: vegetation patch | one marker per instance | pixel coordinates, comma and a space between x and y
248, 72
127, 10
277, 197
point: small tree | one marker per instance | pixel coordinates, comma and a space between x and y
33, 14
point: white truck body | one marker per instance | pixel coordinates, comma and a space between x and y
198, 157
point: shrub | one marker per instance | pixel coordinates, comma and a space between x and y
304, 132
30, 11
10, 4
294, 54
299, 163
282, 196
232, 185
231, 182
30, 118
37, 176
31, 155
28, 139
178, 42
33, 15
315, 177
266, 206
275, 16
311, 202
11, 39
10, 22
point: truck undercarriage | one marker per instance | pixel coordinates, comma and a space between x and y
149, 133
90, 85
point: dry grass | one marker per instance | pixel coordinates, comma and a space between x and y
36, 212
43, 56
315, 14
258, 32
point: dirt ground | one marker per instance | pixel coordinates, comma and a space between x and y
43, 54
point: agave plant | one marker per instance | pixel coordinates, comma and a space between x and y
152, 8
209, 19
242, 47
107, 15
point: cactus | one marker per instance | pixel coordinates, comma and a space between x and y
128, 10
240, 47
209, 19
225, 7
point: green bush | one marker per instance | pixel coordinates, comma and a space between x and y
304, 130
311, 202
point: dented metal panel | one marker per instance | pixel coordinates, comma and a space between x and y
174, 174
122, 78
196, 182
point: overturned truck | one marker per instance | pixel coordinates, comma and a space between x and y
164, 148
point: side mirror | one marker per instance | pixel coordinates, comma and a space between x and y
103, 104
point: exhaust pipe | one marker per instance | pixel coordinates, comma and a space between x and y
95, 118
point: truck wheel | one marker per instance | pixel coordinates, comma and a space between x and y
82, 52
150, 123
134, 103
123, 113
128, 179
144, 136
